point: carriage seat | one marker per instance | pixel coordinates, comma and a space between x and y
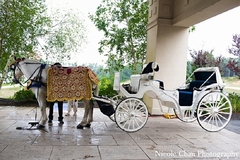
135, 80
150, 68
147, 72
186, 95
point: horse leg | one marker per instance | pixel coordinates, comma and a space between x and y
90, 114
40, 94
85, 116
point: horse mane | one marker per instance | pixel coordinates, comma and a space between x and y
26, 60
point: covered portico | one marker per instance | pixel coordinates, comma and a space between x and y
167, 36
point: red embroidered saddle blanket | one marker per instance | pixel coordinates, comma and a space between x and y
70, 83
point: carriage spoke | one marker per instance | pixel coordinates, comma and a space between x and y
209, 116
216, 122
204, 115
222, 116
225, 113
209, 121
137, 123
226, 108
220, 119
223, 105
220, 102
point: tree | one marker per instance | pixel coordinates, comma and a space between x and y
235, 49
20, 22
203, 58
27, 30
233, 64
66, 35
123, 23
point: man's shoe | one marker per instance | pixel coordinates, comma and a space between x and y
61, 122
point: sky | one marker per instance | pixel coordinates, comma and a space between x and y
89, 53
216, 33
213, 34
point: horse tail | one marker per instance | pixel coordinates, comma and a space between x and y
95, 89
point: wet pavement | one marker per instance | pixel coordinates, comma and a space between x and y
161, 138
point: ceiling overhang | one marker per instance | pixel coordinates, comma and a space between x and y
186, 13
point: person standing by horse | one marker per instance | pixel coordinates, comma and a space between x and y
60, 105
72, 104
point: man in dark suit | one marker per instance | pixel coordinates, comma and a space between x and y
60, 105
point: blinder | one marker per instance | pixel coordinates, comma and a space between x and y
13, 68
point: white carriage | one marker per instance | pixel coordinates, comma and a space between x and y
201, 98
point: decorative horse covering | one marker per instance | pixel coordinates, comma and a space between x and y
70, 83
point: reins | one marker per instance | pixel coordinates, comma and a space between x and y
35, 79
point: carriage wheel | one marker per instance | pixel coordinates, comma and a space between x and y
117, 99
214, 111
187, 113
131, 114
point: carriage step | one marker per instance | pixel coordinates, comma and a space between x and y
169, 116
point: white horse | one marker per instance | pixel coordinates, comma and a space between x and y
36, 74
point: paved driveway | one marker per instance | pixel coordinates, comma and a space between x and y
160, 139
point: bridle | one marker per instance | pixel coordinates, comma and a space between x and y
37, 79
13, 67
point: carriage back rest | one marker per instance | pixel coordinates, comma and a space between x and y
203, 76
116, 85
203, 79
134, 82
198, 84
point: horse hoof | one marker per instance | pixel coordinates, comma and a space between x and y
79, 126
88, 125
39, 126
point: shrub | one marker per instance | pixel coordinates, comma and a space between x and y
235, 101
106, 87
24, 94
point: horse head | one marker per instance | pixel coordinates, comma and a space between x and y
17, 72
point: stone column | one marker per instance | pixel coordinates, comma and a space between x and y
168, 46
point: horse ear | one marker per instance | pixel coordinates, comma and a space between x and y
19, 59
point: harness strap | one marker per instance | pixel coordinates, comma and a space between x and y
35, 84
37, 81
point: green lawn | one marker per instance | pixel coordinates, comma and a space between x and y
232, 90
232, 83
8, 91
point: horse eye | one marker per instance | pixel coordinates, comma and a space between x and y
12, 67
